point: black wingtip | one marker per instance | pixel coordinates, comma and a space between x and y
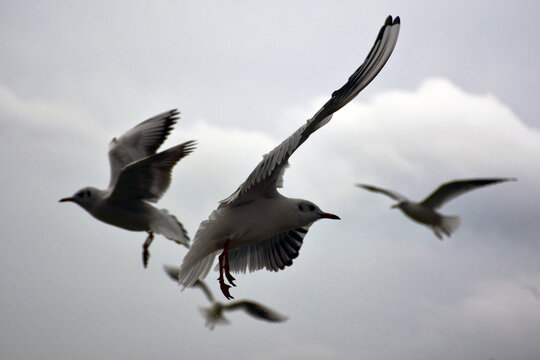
389, 22
174, 115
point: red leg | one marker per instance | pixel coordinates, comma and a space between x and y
228, 275
146, 245
224, 267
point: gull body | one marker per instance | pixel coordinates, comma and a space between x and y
257, 227
242, 224
139, 176
425, 212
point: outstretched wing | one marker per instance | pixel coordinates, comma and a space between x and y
274, 253
257, 310
150, 177
202, 285
450, 190
139, 142
394, 195
173, 271
268, 175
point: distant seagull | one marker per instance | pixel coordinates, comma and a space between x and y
425, 212
214, 314
257, 227
139, 176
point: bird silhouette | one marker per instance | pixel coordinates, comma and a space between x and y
139, 176
214, 314
257, 227
424, 212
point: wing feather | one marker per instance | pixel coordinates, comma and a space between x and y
256, 310
453, 189
274, 253
394, 195
150, 177
268, 175
140, 141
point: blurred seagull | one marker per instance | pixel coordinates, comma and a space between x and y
139, 176
425, 212
257, 227
214, 314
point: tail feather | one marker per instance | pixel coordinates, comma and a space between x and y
169, 226
200, 257
191, 271
449, 224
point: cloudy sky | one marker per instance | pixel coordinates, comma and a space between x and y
457, 99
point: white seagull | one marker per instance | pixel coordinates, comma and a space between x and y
425, 212
139, 176
257, 227
214, 314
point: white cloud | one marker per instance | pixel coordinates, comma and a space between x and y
373, 285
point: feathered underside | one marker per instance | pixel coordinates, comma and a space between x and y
272, 254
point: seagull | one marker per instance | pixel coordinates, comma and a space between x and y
139, 175
214, 314
425, 212
257, 227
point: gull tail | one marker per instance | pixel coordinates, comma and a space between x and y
200, 257
169, 226
449, 224
192, 269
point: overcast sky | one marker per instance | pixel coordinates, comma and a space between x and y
457, 99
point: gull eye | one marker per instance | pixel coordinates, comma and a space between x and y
80, 194
88, 193
311, 207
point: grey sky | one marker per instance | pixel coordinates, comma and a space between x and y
457, 99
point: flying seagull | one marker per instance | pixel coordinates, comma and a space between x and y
214, 314
425, 212
139, 176
257, 227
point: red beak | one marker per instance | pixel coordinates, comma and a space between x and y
329, 216
66, 199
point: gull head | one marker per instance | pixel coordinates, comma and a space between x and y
86, 197
309, 212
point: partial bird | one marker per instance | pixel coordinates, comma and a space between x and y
214, 315
257, 227
425, 212
139, 176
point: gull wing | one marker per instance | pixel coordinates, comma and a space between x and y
173, 271
274, 253
268, 175
139, 142
452, 189
202, 285
256, 310
150, 177
394, 195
